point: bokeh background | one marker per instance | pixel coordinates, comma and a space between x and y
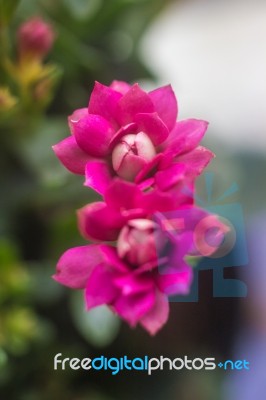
214, 55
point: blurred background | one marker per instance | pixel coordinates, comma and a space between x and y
214, 55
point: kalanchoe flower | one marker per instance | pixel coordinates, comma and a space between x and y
133, 134
136, 278
138, 294
35, 39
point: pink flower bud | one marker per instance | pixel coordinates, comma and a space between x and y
132, 154
137, 241
35, 38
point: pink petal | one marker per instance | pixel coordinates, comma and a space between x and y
196, 160
76, 116
183, 192
98, 176
120, 86
148, 168
175, 282
146, 184
133, 307
75, 265
185, 136
103, 101
153, 126
155, 318
71, 156
122, 195
156, 200
135, 101
166, 160
100, 289
129, 284
170, 176
165, 104
123, 131
111, 258
93, 134
98, 222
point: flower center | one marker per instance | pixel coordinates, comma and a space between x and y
131, 154
137, 242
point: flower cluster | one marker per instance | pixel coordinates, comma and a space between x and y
132, 150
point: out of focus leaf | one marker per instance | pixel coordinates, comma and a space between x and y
99, 326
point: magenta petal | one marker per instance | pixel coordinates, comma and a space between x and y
148, 168
148, 183
122, 195
156, 200
99, 222
196, 160
153, 126
93, 134
170, 176
174, 281
98, 176
120, 86
133, 307
154, 319
129, 284
165, 104
75, 265
111, 258
71, 156
76, 116
103, 101
166, 160
124, 130
100, 289
185, 136
135, 101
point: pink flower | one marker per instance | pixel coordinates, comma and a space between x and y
133, 134
148, 264
136, 278
35, 38
137, 293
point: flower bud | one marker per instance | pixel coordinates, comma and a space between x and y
137, 241
35, 39
132, 154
